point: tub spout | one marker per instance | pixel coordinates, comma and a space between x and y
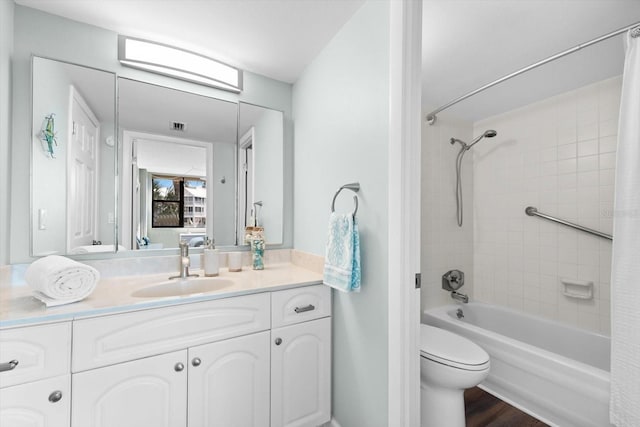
460, 297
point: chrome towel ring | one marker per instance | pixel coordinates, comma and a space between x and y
355, 187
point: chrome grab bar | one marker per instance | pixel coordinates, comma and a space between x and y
531, 211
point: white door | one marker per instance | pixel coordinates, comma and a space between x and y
229, 383
301, 374
45, 403
246, 184
82, 174
145, 392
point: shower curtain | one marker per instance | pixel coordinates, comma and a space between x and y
625, 274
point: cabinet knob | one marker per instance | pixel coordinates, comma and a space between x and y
278, 341
55, 396
179, 367
196, 361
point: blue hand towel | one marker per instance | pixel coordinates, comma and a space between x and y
342, 260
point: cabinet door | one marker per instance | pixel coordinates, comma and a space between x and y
229, 383
41, 352
45, 403
301, 374
145, 392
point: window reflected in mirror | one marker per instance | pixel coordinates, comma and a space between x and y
178, 202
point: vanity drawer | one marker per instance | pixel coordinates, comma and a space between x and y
41, 352
118, 338
300, 304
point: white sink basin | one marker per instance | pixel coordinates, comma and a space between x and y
180, 287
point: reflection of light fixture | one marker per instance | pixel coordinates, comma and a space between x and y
178, 63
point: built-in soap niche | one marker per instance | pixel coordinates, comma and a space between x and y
580, 289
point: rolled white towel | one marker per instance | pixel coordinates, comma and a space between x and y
57, 280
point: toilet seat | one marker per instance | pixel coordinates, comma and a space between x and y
447, 348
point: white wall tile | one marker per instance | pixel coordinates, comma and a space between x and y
607, 161
572, 179
567, 151
588, 148
589, 163
445, 246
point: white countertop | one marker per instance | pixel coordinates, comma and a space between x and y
113, 295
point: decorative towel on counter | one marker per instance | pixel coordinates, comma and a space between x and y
342, 259
57, 280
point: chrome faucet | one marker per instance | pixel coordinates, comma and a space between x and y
460, 297
184, 262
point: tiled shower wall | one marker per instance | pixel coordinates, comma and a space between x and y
445, 246
559, 156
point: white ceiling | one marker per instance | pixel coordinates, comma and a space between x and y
275, 38
466, 43
148, 108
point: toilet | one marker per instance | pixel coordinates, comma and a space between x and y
449, 364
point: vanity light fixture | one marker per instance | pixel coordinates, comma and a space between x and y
174, 62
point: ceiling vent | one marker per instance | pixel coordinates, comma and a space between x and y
178, 126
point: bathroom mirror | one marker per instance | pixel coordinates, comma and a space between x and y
178, 167
73, 153
167, 140
260, 171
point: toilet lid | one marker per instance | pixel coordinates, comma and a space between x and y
450, 349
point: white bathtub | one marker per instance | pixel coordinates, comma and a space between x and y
554, 372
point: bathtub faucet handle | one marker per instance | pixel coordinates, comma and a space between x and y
452, 280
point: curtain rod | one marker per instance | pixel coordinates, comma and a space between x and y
431, 117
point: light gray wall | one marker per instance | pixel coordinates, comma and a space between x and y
341, 113
224, 160
42, 34
268, 157
51, 83
6, 52
107, 191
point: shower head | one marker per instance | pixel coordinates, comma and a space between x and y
487, 134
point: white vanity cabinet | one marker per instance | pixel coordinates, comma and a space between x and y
257, 360
44, 403
221, 384
229, 382
35, 382
146, 392
301, 357
180, 351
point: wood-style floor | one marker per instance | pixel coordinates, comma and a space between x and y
484, 410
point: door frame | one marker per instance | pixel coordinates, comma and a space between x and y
126, 192
405, 63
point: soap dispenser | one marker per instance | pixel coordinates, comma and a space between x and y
211, 259
257, 248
